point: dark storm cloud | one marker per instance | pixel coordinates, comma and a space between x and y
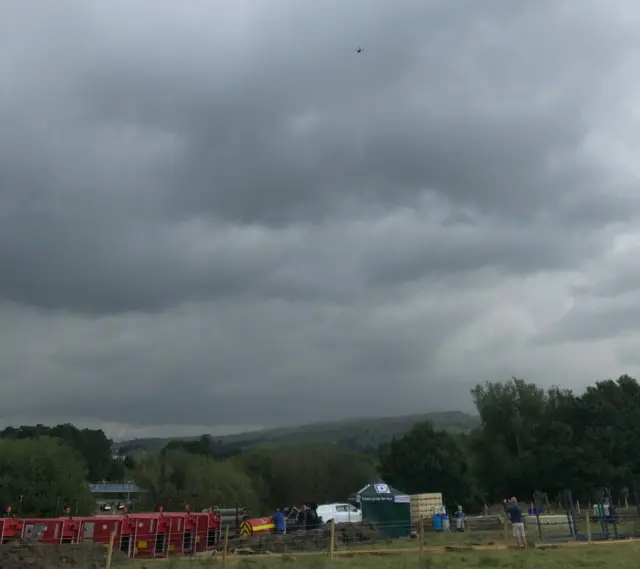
152, 126
223, 363
596, 319
296, 138
331, 221
606, 306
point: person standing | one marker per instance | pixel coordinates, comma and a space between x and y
302, 517
517, 521
460, 519
446, 523
279, 522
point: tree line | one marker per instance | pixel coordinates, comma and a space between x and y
530, 442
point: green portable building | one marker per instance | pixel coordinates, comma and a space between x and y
388, 509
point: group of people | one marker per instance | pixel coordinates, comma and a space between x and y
306, 518
441, 520
512, 509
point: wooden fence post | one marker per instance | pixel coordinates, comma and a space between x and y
110, 550
506, 531
588, 522
332, 538
421, 534
226, 545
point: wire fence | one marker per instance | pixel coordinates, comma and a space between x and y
332, 540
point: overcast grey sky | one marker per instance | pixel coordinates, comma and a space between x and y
216, 215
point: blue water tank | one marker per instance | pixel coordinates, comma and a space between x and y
437, 522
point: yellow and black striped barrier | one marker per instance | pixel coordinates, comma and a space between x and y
246, 528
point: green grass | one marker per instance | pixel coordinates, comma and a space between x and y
619, 555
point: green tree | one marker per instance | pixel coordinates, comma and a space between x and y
506, 444
205, 446
610, 428
535, 441
39, 477
427, 460
291, 475
176, 479
201, 446
93, 445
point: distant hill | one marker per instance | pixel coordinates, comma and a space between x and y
357, 434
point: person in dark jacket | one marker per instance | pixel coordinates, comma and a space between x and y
302, 517
517, 521
312, 519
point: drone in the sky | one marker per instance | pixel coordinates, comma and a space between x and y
359, 50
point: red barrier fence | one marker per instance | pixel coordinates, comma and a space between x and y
148, 535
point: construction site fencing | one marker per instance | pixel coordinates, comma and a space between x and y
475, 531
331, 540
585, 526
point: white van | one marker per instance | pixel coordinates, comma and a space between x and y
340, 513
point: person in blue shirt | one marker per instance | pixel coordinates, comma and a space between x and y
279, 523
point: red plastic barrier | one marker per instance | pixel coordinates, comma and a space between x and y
146, 535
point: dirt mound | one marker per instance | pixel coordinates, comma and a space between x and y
312, 540
356, 533
309, 540
25, 554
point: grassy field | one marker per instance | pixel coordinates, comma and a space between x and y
622, 555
